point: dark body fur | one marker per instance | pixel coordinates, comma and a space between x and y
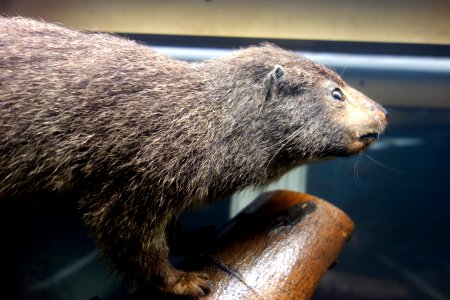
138, 137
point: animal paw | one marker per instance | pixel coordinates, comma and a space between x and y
192, 284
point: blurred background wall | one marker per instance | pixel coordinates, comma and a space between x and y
405, 21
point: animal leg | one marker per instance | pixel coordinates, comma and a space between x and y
135, 243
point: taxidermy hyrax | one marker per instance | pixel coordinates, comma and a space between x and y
139, 137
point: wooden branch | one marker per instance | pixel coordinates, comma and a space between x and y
279, 247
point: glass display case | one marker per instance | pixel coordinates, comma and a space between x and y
396, 193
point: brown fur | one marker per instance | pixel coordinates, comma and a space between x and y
138, 137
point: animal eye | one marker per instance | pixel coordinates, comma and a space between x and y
337, 94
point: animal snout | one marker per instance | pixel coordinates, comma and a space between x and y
380, 112
383, 110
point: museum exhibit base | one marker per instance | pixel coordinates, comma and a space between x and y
279, 247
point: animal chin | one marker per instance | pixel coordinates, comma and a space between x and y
362, 142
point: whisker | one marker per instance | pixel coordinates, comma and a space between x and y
356, 171
343, 71
383, 165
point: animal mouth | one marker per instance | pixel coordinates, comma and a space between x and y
361, 143
369, 137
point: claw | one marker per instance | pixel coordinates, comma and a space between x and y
192, 284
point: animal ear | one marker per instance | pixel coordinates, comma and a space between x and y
273, 81
277, 72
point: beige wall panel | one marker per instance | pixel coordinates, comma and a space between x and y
408, 21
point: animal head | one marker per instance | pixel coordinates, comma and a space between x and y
312, 112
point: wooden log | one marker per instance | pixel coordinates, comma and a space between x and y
279, 247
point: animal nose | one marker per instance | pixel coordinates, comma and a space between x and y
384, 110
381, 113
